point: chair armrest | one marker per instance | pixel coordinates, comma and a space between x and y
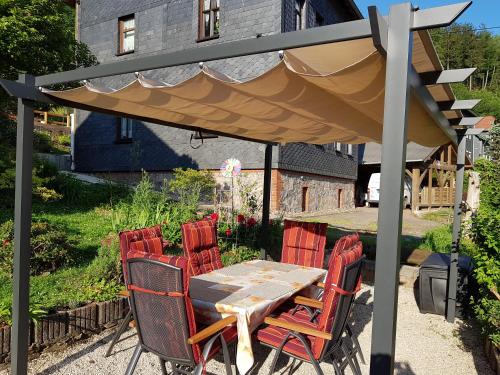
301, 300
297, 328
319, 284
124, 293
211, 329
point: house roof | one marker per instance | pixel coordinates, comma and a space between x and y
370, 153
486, 123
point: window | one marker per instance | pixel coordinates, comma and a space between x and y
299, 9
338, 146
319, 20
126, 34
125, 130
349, 149
208, 19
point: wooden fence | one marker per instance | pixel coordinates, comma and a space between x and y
49, 118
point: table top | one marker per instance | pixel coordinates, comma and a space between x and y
250, 291
251, 283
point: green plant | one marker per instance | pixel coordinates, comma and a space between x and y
50, 248
239, 254
64, 139
36, 312
192, 186
248, 196
484, 232
439, 240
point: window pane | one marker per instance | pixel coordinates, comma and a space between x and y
216, 23
129, 23
206, 4
128, 41
339, 146
206, 17
130, 124
123, 128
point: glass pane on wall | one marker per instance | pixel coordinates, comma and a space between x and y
129, 24
206, 4
206, 18
216, 22
123, 128
128, 41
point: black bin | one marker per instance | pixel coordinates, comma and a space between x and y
433, 276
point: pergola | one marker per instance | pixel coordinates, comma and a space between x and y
413, 105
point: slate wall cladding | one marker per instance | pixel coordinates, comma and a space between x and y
171, 25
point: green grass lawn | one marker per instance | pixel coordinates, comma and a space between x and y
86, 225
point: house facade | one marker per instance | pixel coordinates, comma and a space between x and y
305, 178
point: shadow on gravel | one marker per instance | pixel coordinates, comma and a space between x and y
76, 356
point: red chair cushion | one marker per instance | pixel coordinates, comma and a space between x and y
199, 241
274, 336
342, 244
304, 243
126, 237
149, 245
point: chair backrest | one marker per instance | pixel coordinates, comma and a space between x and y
304, 243
199, 241
162, 309
342, 244
339, 295
127, 237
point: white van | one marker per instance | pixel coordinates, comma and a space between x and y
373, 192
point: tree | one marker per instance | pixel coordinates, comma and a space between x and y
37, 37
494, 144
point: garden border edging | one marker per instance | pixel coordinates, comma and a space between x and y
91, 318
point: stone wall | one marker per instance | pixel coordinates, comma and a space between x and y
287, 189
322, 193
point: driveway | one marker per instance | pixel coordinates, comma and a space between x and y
364, 219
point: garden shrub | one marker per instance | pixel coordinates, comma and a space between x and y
439, 240
191, 186
50, 248
485, 233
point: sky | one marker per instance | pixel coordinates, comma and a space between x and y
480, 12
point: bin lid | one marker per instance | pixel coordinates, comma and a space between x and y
442, 261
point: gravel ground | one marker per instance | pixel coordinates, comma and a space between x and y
426, 344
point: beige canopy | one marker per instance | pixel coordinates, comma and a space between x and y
318, 94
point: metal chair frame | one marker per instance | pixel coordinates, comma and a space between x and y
336, 347
179, 366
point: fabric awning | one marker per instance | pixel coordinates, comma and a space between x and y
318, 94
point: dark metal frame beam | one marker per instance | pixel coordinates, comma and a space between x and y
451, 298
446, 76
432, 17
454, 105
394, 139
266, 202
22, 233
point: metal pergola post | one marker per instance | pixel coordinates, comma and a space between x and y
397, 90
451, 298
22, 229
266, 202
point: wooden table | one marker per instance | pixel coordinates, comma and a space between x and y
251, 291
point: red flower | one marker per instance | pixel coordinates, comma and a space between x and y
214, 216
228, 232
6, 242
240, 219
251, 222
